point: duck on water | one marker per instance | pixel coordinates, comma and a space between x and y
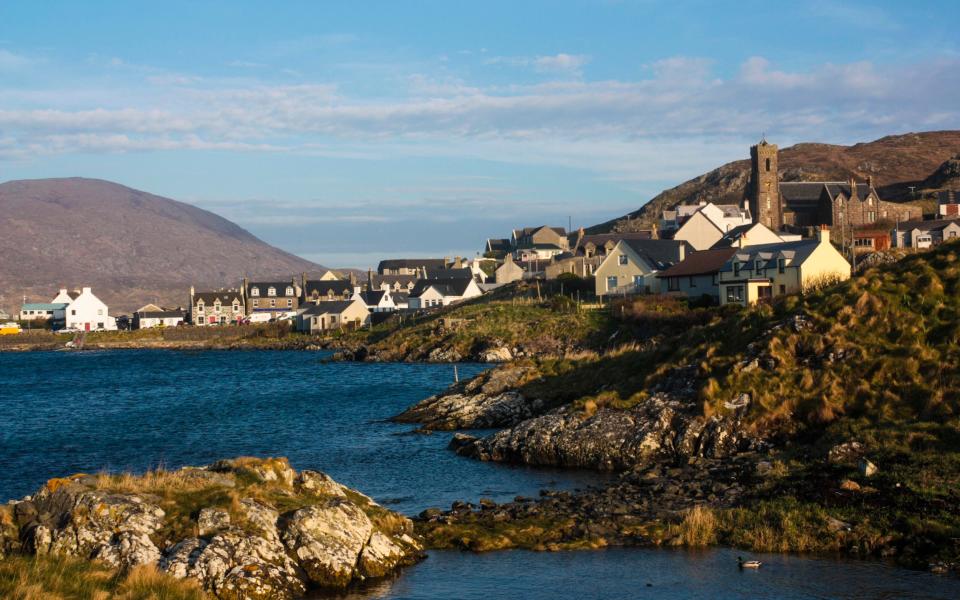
748, 564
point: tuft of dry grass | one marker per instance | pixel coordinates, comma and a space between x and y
698, 528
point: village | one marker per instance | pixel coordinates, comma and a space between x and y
785, 238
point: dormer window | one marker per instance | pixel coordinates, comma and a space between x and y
271, 291
236, 307
781, 265
200, 306
254, 291
216, 306
289, 291
869, 200
736, 269
758, 266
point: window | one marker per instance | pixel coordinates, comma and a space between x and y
73, 313
271, 291
735, 293
758, 266
768, 164
236, 307
693, 281
256, 303
289, 291
871, 216
216, 306
289, 303
673, 284
638, 281
99, 325
783, 289
951, 234
100, 312
199, 307
273, 303
781, 265
254, 291
869, 200
736, 269
622, 259
612, 282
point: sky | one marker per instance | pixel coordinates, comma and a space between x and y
352, 131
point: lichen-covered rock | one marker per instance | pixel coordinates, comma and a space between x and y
327, 540
265, 532
612, 439
487, 400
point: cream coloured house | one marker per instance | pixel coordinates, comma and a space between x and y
632, 265
767, 271
333, 314
508, 272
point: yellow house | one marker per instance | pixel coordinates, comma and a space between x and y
10, 328
766, 271
632, 265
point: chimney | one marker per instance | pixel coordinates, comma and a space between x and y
458, 263
823, 235
853, 188
86, 290
353, 278
369, 280
870, 181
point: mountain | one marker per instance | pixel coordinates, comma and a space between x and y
130, 246
896, 163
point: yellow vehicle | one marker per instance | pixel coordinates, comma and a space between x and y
10, 328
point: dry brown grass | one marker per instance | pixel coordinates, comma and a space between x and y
698, 528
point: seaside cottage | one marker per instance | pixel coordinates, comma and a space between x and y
331, 315
697, 275
151, 315
925, 234
271, 297
455, 285
216, 308
767, 271
88, 313
34, 311
632, 265
709, 223
326, 290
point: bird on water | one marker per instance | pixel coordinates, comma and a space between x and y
748, 564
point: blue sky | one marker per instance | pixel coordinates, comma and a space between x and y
351, 131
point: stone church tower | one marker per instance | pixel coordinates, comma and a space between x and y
763, 190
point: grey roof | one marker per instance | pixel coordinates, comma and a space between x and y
400, 297
731, 237
835, 188
797, 250
733, 210
494, 244
411, 263
447, 274
372, 298
801, 191
661, 253
446, 287
378, 279
532, 230
325, 308
212, 297
280, 286
930, 225
323, 288
702, 262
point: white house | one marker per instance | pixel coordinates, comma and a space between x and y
152, 315
54, 311
431, 293
377, 300
710, 223
88, 313
924, 234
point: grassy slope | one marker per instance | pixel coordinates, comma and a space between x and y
874, 359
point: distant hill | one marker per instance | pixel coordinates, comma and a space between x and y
896, 163
130, 246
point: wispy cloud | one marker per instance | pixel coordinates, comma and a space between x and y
10, 61
555, 63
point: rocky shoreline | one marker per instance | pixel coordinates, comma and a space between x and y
242, 528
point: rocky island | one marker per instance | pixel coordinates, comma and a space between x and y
241, 528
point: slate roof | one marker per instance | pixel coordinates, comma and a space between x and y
661, 253
447, 274
835, 188
212, 297
732, 237
796, 251
328, 308
446, 287
400, 297
498, 244
280, 286
929, 225
411, 263
804, 192
372, 298
403, 280
599, 239
323, 288
702, 262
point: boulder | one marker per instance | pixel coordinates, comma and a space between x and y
327, 540
268, 532
846, 453
867, 468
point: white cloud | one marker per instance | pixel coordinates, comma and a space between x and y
561, 62
573, 123
10, 61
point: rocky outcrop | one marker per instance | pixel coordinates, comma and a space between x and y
262, 530
491, 399
661, 427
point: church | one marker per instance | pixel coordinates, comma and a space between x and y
803, 205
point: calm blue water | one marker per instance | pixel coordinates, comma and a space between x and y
67, 412
622, 573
